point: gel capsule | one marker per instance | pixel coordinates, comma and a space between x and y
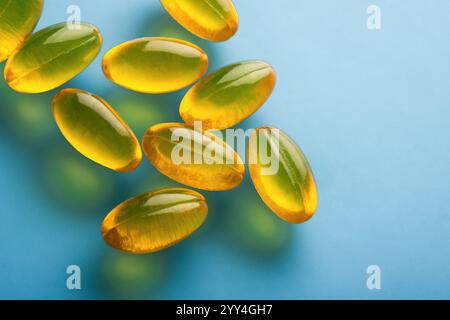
51, 57
229, 95
95, 129
154, 220
214, 20
286, 183
200, 160
155, 65
17, 20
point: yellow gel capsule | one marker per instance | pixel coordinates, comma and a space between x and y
17, 20
197, 159
155, 220
214, 20
155, 65
95, 129
52, 56
229, 95
286, 182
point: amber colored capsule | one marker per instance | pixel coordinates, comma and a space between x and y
286, 183
95, 129
197, 159
214, 20
17, 20
229, 95
155, 65
52, 56
155, 220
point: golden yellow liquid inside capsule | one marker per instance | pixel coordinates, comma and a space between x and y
154, 220
51, 57
95, 129
197, 159
17, 20
155, 65
214, 20
289, 191
229, 95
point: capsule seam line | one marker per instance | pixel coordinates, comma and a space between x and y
219, 14
225, 146
153, 214
5, 8
234, 80
21, 76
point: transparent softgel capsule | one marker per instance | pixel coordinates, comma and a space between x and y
196, 159
155, 65
52, 56
154, 220
281, 175
17, 20
229, 95
95, 129
214, 20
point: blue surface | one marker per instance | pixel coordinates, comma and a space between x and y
371, 109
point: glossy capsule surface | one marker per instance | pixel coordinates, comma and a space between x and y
51, 57
229, 95
214, 20
197, 159
290, 191
95, 129
155, 65
154, 220
17, 20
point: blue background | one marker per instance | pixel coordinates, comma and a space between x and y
371, 109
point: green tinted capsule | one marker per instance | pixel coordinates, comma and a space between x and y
95, 129
155, 220
229, 95
52, 56
155, 65
214, 20
197, 159
286, 182
17, 20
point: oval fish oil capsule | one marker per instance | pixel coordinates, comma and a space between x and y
17, 20
285, 183
155, 220
52, 56
214, 20
95, 129
197, 159
229, 95
155, 65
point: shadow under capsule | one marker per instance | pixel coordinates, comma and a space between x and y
73, 183
141, 111
253, 230
127, 276
26, 119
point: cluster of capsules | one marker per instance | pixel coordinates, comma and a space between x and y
42, 61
